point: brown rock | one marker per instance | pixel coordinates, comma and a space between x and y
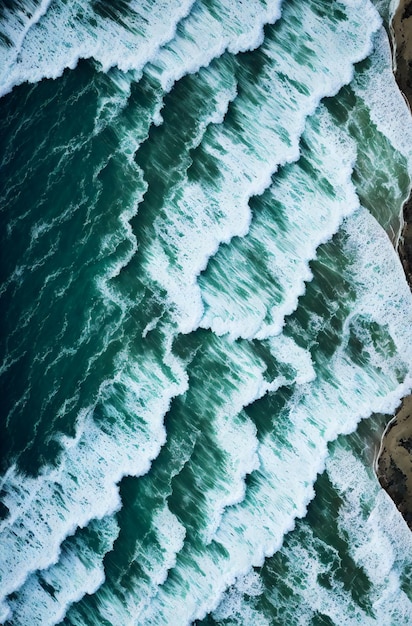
394, 461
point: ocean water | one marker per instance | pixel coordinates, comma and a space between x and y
205, 324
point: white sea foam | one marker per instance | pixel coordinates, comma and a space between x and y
288, 352
385, 295
182, 38
15, 25
124, 432
378, 544
388, 109
69, 32
235, 437
271, 115
234, 433
235, 611
46, 596
207, 32
45, 510
250, 303
283, 482
167, 541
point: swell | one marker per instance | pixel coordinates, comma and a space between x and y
129, 28
38, 245
185, 515
259, 134
342, 582
77, 27
175, 403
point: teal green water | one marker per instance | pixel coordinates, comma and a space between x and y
200, 303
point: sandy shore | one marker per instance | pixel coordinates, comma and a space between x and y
394, 462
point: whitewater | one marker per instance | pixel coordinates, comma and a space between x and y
205, 323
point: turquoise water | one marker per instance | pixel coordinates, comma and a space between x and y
205, 322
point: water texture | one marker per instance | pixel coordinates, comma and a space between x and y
204, 319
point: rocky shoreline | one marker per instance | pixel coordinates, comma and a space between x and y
394, 461
394, 464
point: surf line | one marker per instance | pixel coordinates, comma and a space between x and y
389, 462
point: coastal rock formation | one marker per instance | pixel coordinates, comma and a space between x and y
402, 34
394, 463
394, 467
